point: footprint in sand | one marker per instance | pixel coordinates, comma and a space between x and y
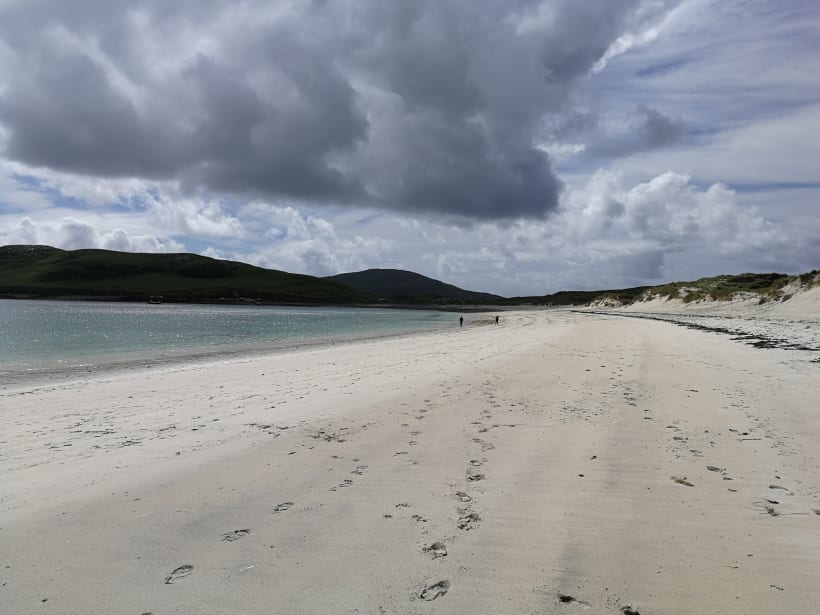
437, 549
468, 520
567, 599
485, 446
767, 509
463, 496
179, 573
681, 480
783, 489
359, 470
475, 462
282, 507
475, 477
345, 483
435, 591
235, 535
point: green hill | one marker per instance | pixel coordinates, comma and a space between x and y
408, 287
578, 297
766, 286
46, 272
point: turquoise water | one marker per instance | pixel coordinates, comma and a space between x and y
59, 337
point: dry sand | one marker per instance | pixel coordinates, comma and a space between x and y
555, 463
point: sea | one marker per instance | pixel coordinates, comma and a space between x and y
47, 340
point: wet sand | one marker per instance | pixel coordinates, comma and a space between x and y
557, 462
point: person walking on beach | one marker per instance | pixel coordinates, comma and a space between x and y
460, 321
496, 320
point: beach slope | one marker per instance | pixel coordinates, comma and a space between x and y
556, 462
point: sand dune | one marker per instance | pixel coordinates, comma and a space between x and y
556, 463
803, 304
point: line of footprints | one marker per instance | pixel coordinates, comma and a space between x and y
467, 518
185, 570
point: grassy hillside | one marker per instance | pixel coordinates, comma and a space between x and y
42, 271
768, 286
406, 286
577, 297
46, 272
764, 286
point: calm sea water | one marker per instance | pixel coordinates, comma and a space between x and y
42, 338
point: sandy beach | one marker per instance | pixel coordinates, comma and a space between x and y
560, 462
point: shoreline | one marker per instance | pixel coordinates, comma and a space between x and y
10, 379
800, 335
557, 461
182, 380
78, 373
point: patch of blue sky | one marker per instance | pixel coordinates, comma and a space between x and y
153, 192
20, 190
703, 184
125, 204
773, 186
276, 233
27, 181
58, 199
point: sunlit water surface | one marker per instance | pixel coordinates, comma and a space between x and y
59, 338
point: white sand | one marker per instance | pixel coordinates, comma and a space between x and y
803, 304
577, 423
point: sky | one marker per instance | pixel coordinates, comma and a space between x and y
518, 147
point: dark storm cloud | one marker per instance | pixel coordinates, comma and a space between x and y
642, 129
654, 129
417, 106
66, 115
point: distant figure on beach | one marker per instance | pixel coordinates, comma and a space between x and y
496, 320
461, 321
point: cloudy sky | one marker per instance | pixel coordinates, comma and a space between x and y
508, 146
